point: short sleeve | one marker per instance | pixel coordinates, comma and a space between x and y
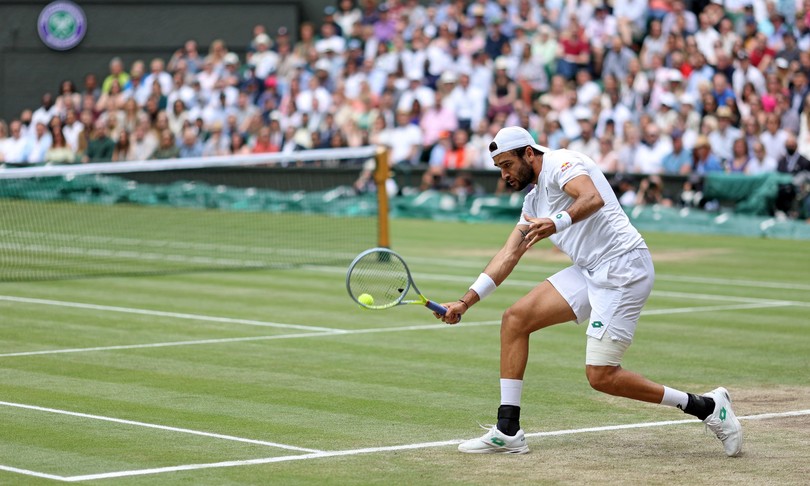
566, 168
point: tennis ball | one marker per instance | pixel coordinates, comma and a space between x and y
366, 299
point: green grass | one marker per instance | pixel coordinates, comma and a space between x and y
379, 385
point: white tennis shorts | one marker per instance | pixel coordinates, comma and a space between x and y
611, 296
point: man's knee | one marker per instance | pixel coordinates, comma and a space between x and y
513, 321
601, 378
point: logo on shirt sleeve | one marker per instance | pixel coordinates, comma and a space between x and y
565, 166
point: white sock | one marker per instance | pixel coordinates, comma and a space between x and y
510, 391
675, 398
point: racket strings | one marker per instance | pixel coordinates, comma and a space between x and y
382, 277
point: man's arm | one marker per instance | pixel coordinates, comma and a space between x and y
503, 262
587, 201
497, 269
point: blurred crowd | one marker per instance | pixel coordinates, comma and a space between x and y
641, 86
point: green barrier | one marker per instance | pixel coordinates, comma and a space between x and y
750, 194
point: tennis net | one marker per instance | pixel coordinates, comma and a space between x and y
214, 213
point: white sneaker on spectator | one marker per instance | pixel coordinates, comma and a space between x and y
724, 423
496, 442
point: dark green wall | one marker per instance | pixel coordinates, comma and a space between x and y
129, 29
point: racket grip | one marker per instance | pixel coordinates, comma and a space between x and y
437, 308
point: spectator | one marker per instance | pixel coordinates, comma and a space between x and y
143, 142
503, 93
263, 144
651, 192
746, 73
601, 29
157, 73
738, 163
190, 146
40, 143
649, 157
703, 160
100, 147
723, 138
45, 112
573, 52
117, 74
91, 87
437, 119
166, 149
59, 152
792, 162
774, 138
68, 99
468, 102
707, 38
188, 55
404, 139
759, 162
17, 147
626, 192
122, 147
460, 154
586, 142
544, 47
608, 157
679, 160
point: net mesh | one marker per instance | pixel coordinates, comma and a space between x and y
185, 215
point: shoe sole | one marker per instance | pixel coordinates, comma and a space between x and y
735, 421
524, 450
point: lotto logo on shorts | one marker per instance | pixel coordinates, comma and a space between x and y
597, 324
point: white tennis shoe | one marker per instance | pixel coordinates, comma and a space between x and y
496, 442
724, 423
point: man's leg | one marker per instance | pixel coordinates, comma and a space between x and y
617, 294
607, 376
543, 306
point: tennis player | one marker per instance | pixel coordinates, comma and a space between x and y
573, 205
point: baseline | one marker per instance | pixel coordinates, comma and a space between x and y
423, 445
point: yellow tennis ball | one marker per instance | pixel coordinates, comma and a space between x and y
366, 299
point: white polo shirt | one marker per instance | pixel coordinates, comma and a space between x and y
602, 236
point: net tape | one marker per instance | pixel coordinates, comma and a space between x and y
189, 163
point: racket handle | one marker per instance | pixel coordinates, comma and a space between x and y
437, 308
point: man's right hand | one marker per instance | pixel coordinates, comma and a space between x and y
454, 312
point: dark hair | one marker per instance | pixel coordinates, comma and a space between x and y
519, 152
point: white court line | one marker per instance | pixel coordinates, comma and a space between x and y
28, 472
168, 344
175, 315
423, 445
337, 332
344, 332
156, 426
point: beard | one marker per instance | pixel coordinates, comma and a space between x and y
523, 177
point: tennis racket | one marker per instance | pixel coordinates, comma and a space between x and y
383, 275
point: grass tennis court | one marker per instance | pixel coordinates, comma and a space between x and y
274, 376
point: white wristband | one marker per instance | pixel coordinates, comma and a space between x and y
483, 286
562, 220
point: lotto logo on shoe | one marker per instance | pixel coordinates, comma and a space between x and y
597, 324
498, 442
723, 414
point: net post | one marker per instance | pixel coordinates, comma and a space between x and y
381, 172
